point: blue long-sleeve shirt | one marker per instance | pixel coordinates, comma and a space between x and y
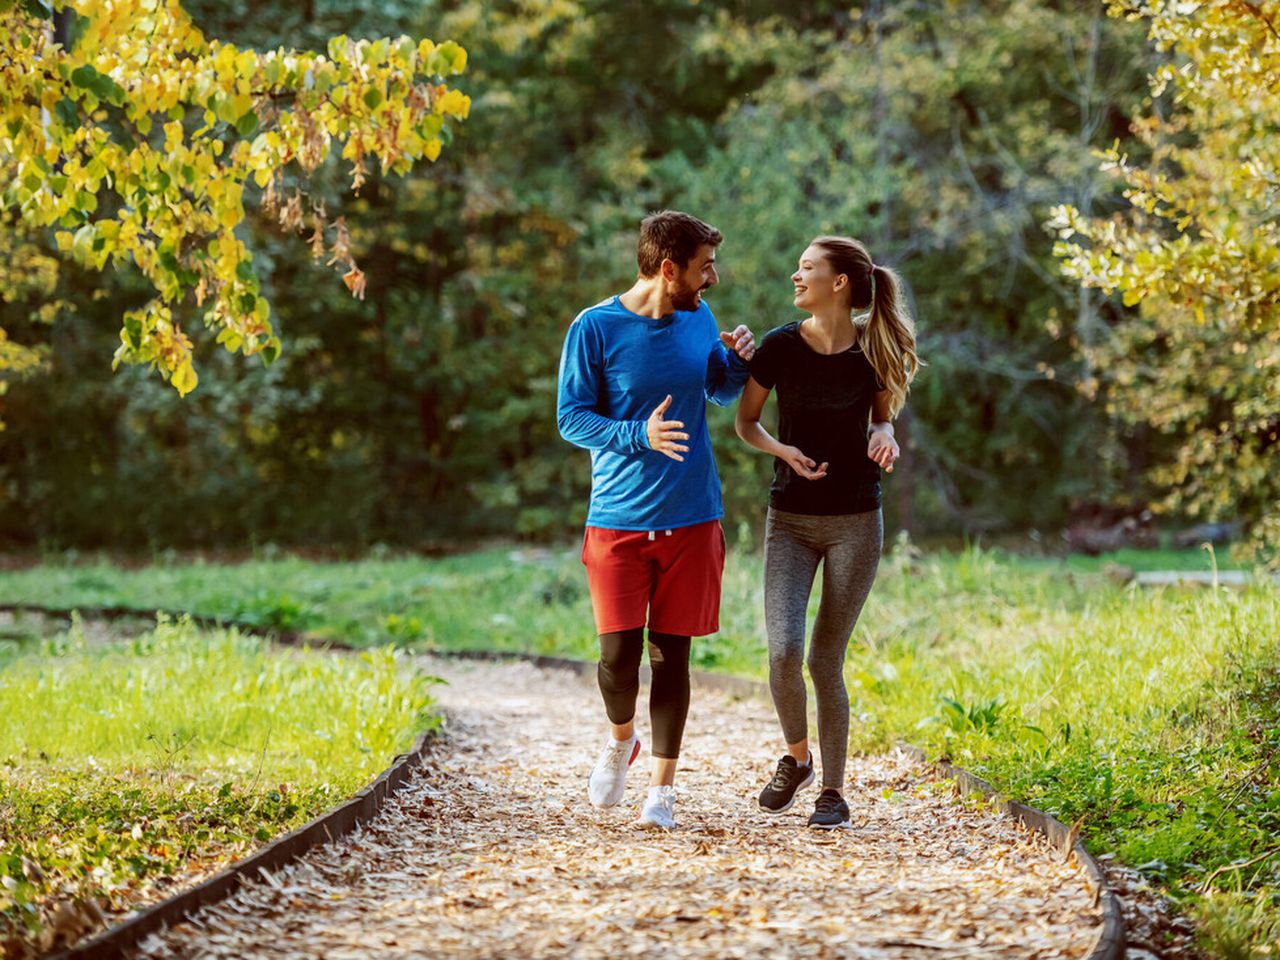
616, 367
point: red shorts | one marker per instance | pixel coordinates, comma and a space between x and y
667, 578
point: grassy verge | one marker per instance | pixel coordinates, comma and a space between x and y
1151, 716
129, 765
1148, 714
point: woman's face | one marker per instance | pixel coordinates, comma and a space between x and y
817, 284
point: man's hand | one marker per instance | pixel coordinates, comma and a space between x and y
742, 341
803, 465
883, 449
664, 435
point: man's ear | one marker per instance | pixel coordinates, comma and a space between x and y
669, 270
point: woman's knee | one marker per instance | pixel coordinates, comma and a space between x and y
786, 658
825, 667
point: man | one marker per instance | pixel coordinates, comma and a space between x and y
635, 375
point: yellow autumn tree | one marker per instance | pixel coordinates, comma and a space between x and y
28, 277
1196, 258
139, 141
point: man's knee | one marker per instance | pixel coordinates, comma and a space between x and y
669, 654
620, 658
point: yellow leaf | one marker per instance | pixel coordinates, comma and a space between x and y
184, 378
232, 210
455, 103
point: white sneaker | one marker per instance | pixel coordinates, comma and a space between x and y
608, 778
659, 809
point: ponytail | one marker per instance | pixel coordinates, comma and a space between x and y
888, 336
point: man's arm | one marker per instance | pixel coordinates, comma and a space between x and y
727, 369
579, 393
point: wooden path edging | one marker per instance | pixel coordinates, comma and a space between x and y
336, 823
1111, 939
344, 819
331, 825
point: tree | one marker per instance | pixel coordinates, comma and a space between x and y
1197, 258
27, 279
141, 142
425, 411
944, 141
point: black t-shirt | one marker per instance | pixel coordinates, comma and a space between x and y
824, 408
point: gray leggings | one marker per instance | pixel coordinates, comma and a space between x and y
849, 548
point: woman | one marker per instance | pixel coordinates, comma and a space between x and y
840, 381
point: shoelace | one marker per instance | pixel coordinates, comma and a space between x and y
783, 775
827, 803
667, 801
615, 757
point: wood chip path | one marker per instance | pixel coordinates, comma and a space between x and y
493, 851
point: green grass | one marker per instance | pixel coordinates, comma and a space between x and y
1150, 714
1201, 559
466, 601
124, 764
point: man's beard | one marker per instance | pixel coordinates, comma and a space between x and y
686, 299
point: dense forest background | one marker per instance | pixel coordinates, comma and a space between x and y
940, 132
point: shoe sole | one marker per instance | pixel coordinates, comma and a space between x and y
790, 803
635, 752
843, 825
652, 825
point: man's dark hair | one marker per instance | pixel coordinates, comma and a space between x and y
672, 235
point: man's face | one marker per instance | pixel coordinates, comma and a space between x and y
698, 274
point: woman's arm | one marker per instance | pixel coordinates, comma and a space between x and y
747, 423
881, 446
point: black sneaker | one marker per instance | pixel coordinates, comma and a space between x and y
830, 812
780, 794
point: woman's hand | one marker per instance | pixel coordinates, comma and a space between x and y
882, 448
803, 465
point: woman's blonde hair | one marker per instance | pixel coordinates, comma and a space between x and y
888, 338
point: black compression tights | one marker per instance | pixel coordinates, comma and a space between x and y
619, 677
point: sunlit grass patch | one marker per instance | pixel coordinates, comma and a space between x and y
125, 765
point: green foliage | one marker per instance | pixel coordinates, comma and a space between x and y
942, 141
425, 412
1240, 924
128, 763
980, 717
1195, 257
1150, 713
273, 611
